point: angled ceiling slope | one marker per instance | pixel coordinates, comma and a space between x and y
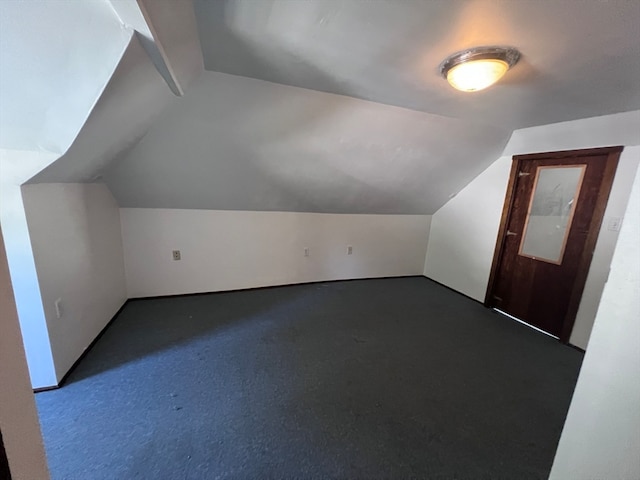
167, 31
46, 93
132, 99
579, 59
373, 128
237, 143
340, 143
88, 124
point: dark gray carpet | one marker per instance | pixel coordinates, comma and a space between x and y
391, 378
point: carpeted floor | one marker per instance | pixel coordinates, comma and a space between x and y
368, 379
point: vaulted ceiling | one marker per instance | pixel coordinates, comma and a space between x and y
55, 61
83, 81
236, 143
579, 58
343, 110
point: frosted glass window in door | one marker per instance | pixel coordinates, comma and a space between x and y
551, 208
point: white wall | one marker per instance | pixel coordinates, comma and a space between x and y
601, 437
224, 250
77, 248
18, 416
464, 231
15, 167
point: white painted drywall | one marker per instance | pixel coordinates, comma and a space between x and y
225, 250
130, 14
234, 143
464, 231
462, 235
131, 101
173, 25
15, 167
601, 437
18, 417
77, 248
56, 59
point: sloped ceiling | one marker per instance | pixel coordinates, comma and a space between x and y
340, 143
167, 31
237, 143
80, 81
131, 101
580, 58
329, 106
50, 72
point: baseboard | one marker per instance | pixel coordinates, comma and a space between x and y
177, 295
452, 289
84, 353
110, 322
575, 347
482, 303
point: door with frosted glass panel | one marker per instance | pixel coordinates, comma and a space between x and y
553, 212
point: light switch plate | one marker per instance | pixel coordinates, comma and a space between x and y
614, 224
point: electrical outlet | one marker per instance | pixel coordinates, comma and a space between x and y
58, 304
306, 251
176, 255
349, 249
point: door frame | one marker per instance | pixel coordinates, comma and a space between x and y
612, 156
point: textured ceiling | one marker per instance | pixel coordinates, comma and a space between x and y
581, 58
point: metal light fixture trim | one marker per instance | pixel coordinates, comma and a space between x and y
506, 56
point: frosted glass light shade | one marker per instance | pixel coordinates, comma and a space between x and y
479, 67
476, 74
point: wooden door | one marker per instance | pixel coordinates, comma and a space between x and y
552, 215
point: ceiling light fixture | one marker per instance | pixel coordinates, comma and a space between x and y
478, 68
